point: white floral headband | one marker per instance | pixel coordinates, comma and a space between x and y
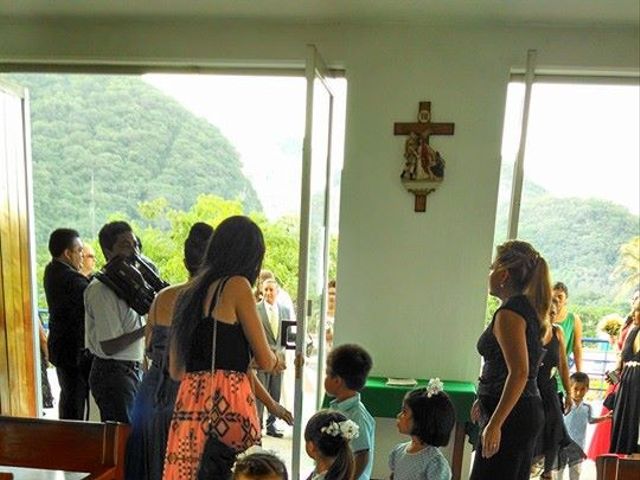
347, 429
434, 387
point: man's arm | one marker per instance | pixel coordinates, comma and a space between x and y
577, 343
76, 284
115, 345
108, 312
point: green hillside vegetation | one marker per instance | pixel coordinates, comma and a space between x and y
582, 240
138, 144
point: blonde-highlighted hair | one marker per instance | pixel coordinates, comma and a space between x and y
529, 274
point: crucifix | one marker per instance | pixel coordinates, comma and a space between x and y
424, 167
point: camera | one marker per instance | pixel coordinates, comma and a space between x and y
133, 280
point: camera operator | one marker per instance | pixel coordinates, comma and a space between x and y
114, 334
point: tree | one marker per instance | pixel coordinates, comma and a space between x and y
628, 266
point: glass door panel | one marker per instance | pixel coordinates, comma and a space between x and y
313, 261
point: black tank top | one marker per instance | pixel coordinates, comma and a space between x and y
550, 362
494, 370
232, 347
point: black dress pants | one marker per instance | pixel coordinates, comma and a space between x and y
74, 389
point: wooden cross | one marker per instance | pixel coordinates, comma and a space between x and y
425, 128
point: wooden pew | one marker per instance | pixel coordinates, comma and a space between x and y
613, 467
97, 448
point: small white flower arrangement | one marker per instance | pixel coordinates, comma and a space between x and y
434, 387
611, 324
347, 429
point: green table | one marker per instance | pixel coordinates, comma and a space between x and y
385, 401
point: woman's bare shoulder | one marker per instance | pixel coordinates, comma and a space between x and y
509, 318
238, 283
165, 303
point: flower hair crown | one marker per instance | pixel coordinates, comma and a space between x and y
434, 387
347, 429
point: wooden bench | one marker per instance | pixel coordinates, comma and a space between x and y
96, 448
613, 467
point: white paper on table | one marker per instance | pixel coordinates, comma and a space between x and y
402, 382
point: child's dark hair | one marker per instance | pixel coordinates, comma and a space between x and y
580, 377
260, 465
351, 363
331, 446
433, 417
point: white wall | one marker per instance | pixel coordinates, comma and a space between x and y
411, 287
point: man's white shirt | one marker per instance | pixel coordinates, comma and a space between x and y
107, 317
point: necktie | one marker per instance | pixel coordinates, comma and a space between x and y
273, 320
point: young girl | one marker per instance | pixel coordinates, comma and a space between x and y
260, 466
428, 416
327, 437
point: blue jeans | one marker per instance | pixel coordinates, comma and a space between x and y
114, 385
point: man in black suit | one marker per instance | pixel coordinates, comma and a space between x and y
272, 313
64, 287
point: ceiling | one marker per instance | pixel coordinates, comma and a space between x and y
510, 12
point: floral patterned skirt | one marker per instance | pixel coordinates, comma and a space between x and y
220, 404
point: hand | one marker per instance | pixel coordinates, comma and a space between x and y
475, 412
567, 403
280, 364
491, 440
281, 412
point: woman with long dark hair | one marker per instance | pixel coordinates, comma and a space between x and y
156, 397
509, 409
216, 333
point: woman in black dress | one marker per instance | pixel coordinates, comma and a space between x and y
509, 409
626, 410
554, 435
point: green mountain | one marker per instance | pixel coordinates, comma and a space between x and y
136, 144
580, 238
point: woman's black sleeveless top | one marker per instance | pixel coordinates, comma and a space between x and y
494, 370
550, 362
232, 347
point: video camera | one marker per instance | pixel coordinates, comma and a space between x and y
133, 280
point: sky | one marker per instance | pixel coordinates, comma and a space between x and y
264, 118
583, 140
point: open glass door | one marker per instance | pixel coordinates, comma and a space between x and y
314, 248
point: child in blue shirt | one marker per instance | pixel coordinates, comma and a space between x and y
346, 373
576, 422
428, 416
